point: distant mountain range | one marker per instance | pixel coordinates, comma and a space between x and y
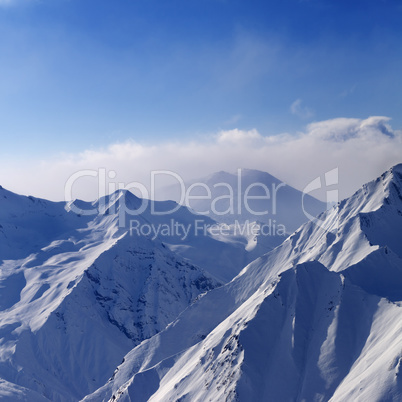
96, 307
247, 195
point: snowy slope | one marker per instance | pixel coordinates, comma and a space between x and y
296, 341
80, 293
27, 223
182, 231
318, 318
131, 291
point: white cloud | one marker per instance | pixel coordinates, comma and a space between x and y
237, 137
345, 129
362, 149
301, 111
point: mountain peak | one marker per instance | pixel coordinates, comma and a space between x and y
252, 175
318, 317
392, 181
112, 203
397, 168
379, 192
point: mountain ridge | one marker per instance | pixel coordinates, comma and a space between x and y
315, 318
336, 254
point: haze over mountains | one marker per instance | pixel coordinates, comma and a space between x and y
248, 195
93, 308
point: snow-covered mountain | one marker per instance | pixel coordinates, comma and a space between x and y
78, 291
185, 233
255, 208
318, 318
247, 195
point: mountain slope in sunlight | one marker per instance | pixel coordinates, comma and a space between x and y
318, 318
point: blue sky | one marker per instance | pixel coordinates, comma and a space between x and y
82, 74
